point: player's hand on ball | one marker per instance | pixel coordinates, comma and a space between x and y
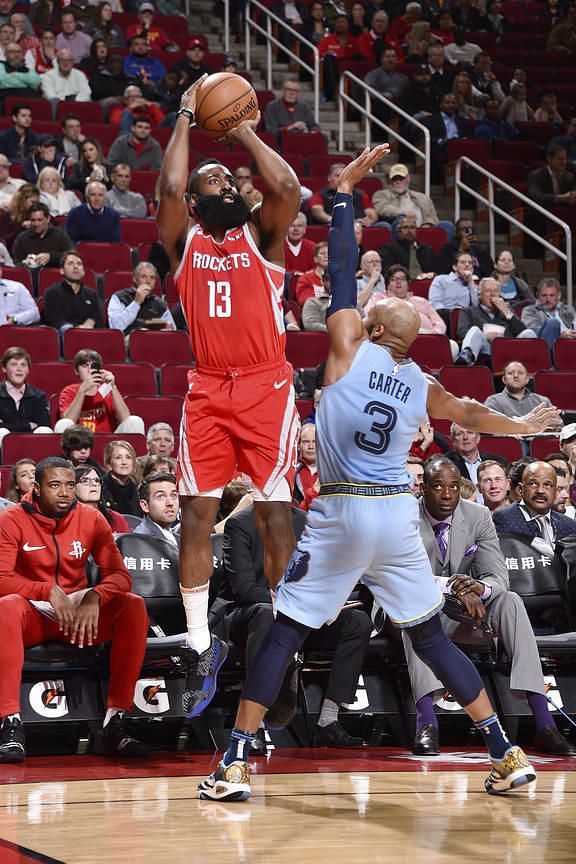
361, 166
237, 131
188, 99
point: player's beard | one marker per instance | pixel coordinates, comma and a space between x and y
214, 212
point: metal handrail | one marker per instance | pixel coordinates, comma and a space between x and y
461, 186
369, 118
250, 23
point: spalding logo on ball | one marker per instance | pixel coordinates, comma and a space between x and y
223, 101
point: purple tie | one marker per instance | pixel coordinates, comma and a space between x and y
441, 534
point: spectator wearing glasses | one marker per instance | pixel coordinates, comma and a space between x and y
89, 491
288, 113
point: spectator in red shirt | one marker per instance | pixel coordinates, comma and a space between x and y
44, 596
155, 36
298, 250
339, 45
311, 284
401, 26
371, 42
134, 103
96, 401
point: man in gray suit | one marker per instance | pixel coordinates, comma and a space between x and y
159, 503
463, 548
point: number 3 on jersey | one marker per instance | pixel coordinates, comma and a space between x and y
380, 429
220, 300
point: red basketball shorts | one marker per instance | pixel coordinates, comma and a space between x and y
238, 420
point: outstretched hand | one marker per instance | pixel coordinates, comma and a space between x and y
538, 420
188, 99
360, 167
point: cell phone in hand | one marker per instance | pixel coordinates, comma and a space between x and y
95, 366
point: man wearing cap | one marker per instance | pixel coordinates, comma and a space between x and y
45, 156
288, 113
138, 65
155, 36
568, 440
419, 99
398, 199
64, 82
193, 67
8, 185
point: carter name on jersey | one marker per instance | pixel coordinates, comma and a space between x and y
389, 385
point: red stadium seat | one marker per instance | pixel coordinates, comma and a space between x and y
369, 185
305, 144
375, 238
306, 350
473, 381
4, 478
501, 445
134, 379
170, 291
41, 342
51, 276
320, 164
162, 134
420, 287
317, 233
109, 343
157, 409
105, 256
560, 387
431, 350
533, 353
105, 133
434, 237
565, 355
52, 377
146, 346
89, 112
143, 182
304, 407
541, 447
41, 108
19, 274
36, 447
174, 379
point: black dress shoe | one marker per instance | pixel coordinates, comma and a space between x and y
465, 358
427, 741
550, 740
258, 746
334, 735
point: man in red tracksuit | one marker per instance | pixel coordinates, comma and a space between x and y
44, 595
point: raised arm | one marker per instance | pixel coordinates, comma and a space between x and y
475, 417
173, 217
344, 324
281, 200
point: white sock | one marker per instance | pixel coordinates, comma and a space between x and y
111, 712
195, 602
13, 716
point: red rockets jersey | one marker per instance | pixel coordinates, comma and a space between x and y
232, 300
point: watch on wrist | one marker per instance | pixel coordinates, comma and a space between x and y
187, 112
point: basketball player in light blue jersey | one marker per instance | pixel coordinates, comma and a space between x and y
364, 524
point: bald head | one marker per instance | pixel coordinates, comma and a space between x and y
394, 323
538, 487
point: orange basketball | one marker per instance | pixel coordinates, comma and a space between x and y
223, 101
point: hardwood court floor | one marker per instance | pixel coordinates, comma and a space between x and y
308, 807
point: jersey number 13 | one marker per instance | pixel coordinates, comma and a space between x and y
220, 301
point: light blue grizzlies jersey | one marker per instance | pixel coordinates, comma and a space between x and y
367, 420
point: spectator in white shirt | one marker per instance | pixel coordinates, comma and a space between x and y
8, 185
65, 82
138, 307
52, 193
17, 305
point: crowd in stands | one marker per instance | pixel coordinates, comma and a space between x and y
84, 181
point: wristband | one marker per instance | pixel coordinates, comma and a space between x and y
187, 112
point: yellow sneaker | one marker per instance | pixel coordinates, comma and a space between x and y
511, 772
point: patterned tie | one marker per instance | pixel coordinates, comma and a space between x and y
441, 534
545, 531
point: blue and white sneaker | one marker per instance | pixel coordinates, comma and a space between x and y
227, 783
201, 674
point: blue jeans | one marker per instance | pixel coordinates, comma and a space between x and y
550, 332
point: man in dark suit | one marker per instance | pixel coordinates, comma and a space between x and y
533, 515
443, 126
551, 186
248, 618
418, 258
466, 455
462, 545
159, 502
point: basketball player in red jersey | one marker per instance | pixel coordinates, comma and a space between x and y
239, 412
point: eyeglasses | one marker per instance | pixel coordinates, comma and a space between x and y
90, 481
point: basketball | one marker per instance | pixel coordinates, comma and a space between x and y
223, 101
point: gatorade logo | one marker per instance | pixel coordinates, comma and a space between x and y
151, 696
553, 692
48, 699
